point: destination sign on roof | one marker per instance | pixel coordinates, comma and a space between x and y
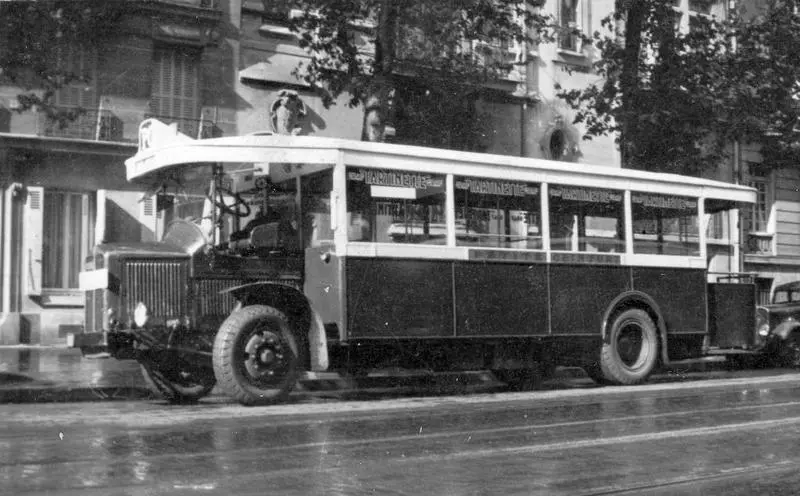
662, 201
395, 179
585, 194
491, 187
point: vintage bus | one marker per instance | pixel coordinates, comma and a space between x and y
285, 254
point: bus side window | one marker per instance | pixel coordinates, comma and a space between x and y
386, 206
664, 225
586, 219
496, 213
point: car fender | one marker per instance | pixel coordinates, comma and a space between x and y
785, 329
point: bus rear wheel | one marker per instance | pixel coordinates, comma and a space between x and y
630, 351
256, 358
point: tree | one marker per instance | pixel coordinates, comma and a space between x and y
33, 34
399, 54
766, 73
662, 92
677, 101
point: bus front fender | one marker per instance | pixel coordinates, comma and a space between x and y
288, 298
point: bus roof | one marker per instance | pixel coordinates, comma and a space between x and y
162, 148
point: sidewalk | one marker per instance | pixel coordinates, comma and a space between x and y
30, 374
57, 374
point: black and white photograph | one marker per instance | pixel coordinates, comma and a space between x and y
399, 247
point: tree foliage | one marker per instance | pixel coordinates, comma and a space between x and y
677, 101
660, 88
32, 34
766, 76
392, 54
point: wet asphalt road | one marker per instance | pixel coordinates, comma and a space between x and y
726, 436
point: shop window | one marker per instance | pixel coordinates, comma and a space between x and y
67, 237
386, 206
497, 213
586, 219
664, 224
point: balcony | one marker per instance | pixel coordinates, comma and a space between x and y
119, 126
95, 125
193, 22
759, 243
195, 4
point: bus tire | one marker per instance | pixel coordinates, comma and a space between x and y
256, 357
179, 385
630, 351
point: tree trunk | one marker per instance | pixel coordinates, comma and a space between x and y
635, 12
376, 101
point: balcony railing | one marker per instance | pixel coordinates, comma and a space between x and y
119, 126
202, 4
97, 125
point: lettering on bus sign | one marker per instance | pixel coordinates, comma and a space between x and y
662, 201
397, 184
395, 179
489, 187
585, 194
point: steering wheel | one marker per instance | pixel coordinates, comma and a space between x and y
239, 207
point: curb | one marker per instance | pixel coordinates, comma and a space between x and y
62, 394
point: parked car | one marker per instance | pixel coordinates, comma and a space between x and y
779, 323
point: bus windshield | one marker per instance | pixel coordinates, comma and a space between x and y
244, 212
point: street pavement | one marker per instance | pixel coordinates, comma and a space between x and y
31, 374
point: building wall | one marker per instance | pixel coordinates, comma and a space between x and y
787, 211
79, 165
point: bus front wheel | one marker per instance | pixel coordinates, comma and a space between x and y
256, 358
630, 351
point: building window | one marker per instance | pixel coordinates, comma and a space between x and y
760, 210
175, 95
570, 15
689, 12
79, 63
68, 237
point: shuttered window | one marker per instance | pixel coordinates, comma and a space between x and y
68, 237
175, 95
82, 64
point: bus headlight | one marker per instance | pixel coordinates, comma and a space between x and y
140, 315
763, 330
